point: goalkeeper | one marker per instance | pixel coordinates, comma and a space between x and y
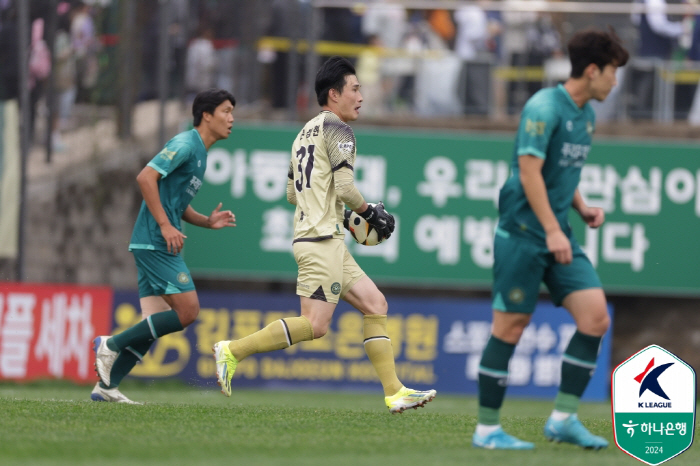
321, 182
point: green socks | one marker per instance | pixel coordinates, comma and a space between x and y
577, 367
126, 361
149, 329
493, 376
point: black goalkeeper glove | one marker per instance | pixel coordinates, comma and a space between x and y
380, 219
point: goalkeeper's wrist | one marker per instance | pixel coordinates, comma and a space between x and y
368, 214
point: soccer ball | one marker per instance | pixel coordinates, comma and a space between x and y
360, 230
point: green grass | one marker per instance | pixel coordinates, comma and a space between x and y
56, 424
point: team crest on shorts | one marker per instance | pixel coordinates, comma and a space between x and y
335, 288
183, 278
516, 296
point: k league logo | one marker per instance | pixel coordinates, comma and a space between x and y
650, 382
653, 401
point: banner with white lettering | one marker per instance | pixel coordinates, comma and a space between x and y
443, 190
46, 331
437, 344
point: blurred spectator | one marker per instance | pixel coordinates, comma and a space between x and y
657, 39
442, 24
472, 32
386, 19
471, 46
39, 69
64, 76
369, 73
544, 41
516, 25
85, 45
200, 67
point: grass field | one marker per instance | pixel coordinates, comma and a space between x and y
56, 424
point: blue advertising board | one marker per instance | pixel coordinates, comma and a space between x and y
437, 344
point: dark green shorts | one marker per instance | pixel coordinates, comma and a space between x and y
521, 265
160, 273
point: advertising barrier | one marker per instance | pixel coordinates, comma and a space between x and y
46, 331
437, 344
443, 189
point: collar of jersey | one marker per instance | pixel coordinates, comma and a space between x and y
568, 97
199, 136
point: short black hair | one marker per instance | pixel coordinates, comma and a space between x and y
332, 75
207, 101
594, 46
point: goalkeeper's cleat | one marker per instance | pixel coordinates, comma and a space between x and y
570, 430
408, 398
499, 440
110, 394
104, 358
225, 366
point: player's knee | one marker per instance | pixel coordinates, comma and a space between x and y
319, 328
600, 324
378, 305
188, 316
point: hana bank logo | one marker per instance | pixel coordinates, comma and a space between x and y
649, 381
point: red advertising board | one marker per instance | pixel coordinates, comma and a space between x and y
46, 331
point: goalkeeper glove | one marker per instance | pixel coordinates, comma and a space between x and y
380, 219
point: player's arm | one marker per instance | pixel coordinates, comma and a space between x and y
215, 221
344, 181
536, 194
291, 192
148, 183
593, 216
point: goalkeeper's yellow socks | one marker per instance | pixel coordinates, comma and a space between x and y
149, 329
493, 375
278, 335
381, 354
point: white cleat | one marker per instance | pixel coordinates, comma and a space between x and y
110, 394
104, 358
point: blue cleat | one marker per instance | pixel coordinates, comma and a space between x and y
571, 430
499, 440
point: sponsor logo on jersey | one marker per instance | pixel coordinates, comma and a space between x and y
167, 154
535, 128
193, 188
346, 146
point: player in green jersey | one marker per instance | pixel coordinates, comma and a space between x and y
534, 244
167, 295
320, 183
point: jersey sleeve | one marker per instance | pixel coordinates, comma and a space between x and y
340, 144
171, 157
537, 125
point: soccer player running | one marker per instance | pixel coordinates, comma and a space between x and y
168, 299
321, 181
534, 243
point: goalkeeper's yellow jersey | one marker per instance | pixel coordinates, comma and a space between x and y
324, 145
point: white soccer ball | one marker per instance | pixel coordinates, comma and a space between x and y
360, 230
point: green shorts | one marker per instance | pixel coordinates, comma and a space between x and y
160, 272
521, 265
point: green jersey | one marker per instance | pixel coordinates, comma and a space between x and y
557, 130
181, 163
